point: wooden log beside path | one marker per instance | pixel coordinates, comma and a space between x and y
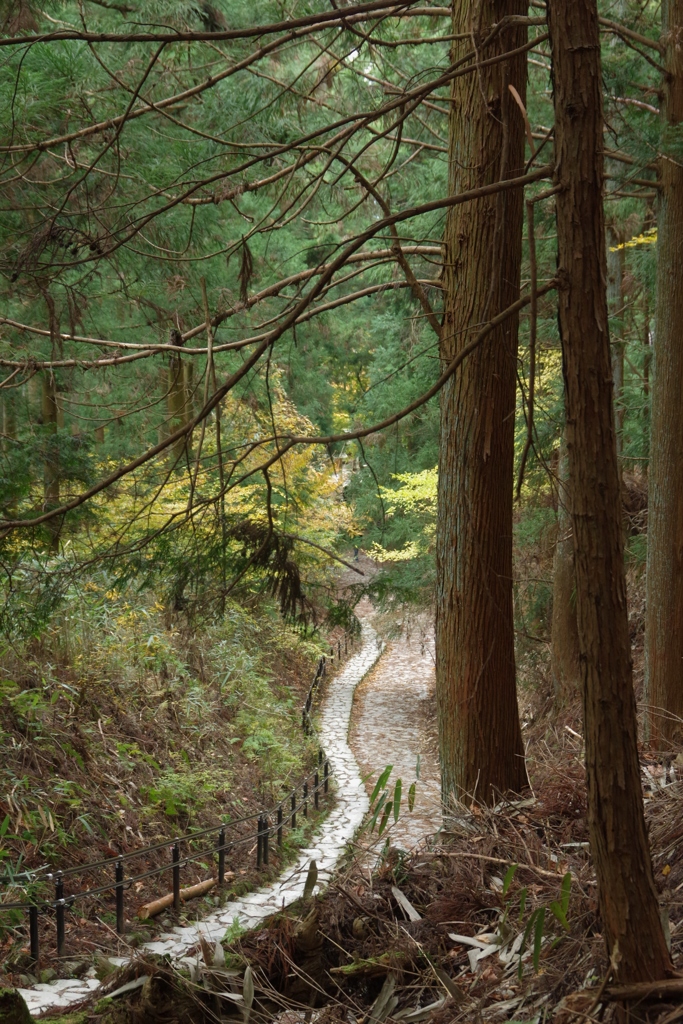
149, 910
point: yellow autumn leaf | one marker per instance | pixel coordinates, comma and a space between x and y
647, 238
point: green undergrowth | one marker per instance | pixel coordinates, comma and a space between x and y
121, 725
17, 969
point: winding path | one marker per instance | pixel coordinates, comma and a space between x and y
399, 739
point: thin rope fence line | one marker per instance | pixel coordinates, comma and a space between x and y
62, 901
336, 831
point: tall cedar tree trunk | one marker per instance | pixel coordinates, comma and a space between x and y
664, 614
626, 891
479, 733
564, 661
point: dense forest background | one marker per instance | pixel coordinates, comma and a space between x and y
224, 278
120, 246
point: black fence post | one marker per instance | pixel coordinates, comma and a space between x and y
316, 783
279, 825
264, 841
33, 931
221, 856
293, 814
326, 776
305, 799
120, 925
176, 876
59, 911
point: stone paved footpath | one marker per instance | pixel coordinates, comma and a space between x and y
393, 722
336, 832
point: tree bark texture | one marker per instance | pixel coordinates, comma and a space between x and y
664, 609
564, 651
626, 891
482, 753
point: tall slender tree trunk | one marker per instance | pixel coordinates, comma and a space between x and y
9, 436
9, 420
50, 411
177, 399
163, 429
664, 609
626, 891
35, 399
479, 733
189, 383
564, 650
189, 386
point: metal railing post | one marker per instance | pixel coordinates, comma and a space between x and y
221, 856
279, 825
264, 841
59, 911
293, 814
120, 925
33, 931
326, 776
305, 799
176, 876
316, 783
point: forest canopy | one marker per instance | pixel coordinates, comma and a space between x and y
305, 228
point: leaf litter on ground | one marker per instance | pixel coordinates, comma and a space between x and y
503, 925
